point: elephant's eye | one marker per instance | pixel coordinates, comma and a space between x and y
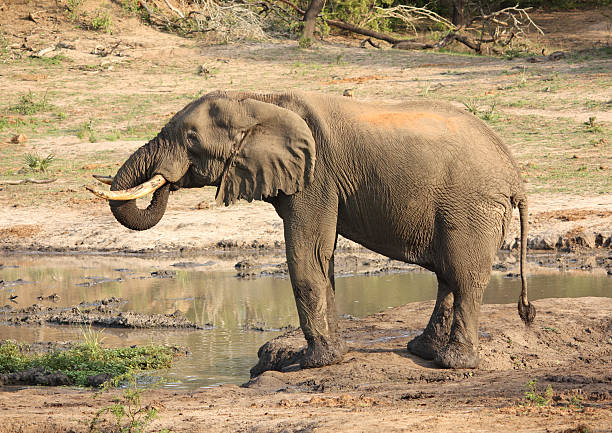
192, 136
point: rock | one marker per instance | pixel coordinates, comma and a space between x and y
583, 239
98, 380
19, 139
243, 265
66, 45
163, 274
35, 376
541, 242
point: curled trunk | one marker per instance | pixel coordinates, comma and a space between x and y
136, 170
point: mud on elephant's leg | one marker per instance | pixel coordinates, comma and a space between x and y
436, 334
310, 236
315, 300
461, 351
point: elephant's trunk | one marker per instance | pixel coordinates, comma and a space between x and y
135, 171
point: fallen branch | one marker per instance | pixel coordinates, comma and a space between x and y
369, 41
366, 32
491, 28
24, 181
43, 51
175, 10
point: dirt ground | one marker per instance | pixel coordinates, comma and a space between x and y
380, 387
145, 75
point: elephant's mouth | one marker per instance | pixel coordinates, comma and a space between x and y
133, 193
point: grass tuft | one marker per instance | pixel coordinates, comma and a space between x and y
36, 163
86, 359
29, 104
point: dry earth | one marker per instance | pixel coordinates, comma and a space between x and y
378, 386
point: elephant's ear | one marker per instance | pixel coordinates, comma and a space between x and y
274, 151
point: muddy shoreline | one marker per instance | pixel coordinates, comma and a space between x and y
270, 262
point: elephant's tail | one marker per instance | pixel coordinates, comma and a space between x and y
527, 312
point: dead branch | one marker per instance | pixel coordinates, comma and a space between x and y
29, 180
412, 15
175, 10
497, 29
361, 31
503, 16
369, 41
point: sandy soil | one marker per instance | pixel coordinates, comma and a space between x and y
378, 386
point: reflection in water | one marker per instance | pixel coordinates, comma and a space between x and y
225, 353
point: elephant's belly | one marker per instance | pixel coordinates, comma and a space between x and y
397, 238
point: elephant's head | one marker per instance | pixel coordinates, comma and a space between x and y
249, 149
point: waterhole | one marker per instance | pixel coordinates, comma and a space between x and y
244, 313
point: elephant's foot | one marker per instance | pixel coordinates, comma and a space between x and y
324, 352
276, 356
457, 355
424, 346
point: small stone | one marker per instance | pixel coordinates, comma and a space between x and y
203, 70
19, 138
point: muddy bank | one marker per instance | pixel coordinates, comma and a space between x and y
103, 313
364, 262
573, 333
379, 386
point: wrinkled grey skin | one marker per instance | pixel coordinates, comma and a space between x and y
422, 182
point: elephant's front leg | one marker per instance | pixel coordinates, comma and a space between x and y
310, 237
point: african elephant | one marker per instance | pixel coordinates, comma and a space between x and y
422, 182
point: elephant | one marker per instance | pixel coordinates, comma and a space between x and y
421, 181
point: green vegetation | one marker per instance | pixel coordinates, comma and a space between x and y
535, 398
73, 7
86, 359
87, 129
36, 163
29, 104
486, 113
592, 126
4, 49
128, 413
101, 21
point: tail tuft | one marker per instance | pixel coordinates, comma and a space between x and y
526, 312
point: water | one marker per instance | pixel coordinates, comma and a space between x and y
225, 353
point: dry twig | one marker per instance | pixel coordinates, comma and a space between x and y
24, 181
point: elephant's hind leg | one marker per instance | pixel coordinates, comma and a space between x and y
467, 269
436, 334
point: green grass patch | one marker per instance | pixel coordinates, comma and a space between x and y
29, 104
38, 163
533, 397
86, 359
101, 21
56, 60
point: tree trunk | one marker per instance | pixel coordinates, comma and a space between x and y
310, 18
458, 12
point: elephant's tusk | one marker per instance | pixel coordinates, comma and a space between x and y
131, 193
104, 179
